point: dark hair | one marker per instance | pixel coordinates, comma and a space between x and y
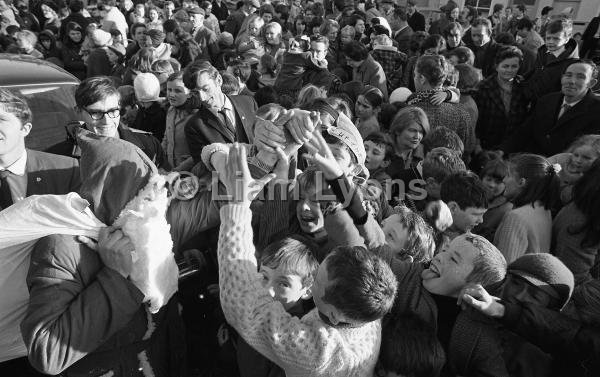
134, 27
195, 70
416, 40
433, 67
374, 96
443, 137
356, 51
464, 55
586, 197
95, 89
16, 105
432, 41
468, 78
382, 139
546, 10
524, 23
506, 39
361, 285
230, 85
508, 52
452, 26
521, 7
498, 7
388, 113
76, 6
171, 26
496, 168
541, 180
380, 30
240, 69
127, 93
472, 12
175, 76
560, 25
410, 347
266, 95
400, 12
294, 254
465, 189
588, 62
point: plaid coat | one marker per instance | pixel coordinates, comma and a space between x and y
494, 123
392, 61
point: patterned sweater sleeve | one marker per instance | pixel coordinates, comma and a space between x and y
292, 344
511, 237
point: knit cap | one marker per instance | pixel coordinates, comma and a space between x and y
157, 36
346, 131
147, 87
546, 272
100, 38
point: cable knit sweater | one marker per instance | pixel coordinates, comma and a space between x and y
302, 347
524, 230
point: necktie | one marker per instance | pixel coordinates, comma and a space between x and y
5, 194
564, 108
225, 120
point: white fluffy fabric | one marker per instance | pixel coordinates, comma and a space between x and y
143, 220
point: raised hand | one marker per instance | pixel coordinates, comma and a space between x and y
320, 154
241, 187
475, 296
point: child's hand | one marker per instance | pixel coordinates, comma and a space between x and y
438, 98
320, 154
438, 215
476, 296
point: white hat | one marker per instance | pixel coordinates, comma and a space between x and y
146, 87
400, 95
100, 38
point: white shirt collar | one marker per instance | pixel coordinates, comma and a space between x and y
18, 167
571, 103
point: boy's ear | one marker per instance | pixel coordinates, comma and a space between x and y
453, 206
386, 163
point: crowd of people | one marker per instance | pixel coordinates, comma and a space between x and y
353, 190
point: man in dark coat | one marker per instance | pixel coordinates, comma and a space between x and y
236, 19
85, 316
484, 47
416, 20
590, 38
98, 105
221, 118
559, 118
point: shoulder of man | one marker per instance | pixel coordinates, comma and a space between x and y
46, 160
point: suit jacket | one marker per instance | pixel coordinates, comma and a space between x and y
51, 174
205, 127
234, 22
485, 60
546, 134
417, 21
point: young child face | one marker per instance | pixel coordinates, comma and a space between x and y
513, 184
518, 290
363, 109
449, 270
177, 93
308, 211
581, 159
467, 219
494, 187
556, 41
396, 233
287, 288
375, 155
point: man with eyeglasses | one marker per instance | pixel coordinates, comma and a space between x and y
98, 106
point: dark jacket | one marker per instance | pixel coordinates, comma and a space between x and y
143, 140
152, 119
485, 56
575, 346
589, 42
205, 127
403, 38
548, 70
52, 51
417, 21
98, 63
72, 60
51, 174
234, 22
494, 123
79, 19
544, 133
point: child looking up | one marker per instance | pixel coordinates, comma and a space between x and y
288, 268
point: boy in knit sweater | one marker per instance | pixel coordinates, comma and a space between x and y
353, 290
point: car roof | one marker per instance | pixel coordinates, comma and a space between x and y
24, 70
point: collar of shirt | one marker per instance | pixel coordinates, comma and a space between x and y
570, 104
18, 167
557, 52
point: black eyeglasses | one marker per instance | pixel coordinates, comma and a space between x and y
97, 115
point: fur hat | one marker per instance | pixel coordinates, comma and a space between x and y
147, 87
546, 272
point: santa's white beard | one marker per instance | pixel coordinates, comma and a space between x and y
143, 220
